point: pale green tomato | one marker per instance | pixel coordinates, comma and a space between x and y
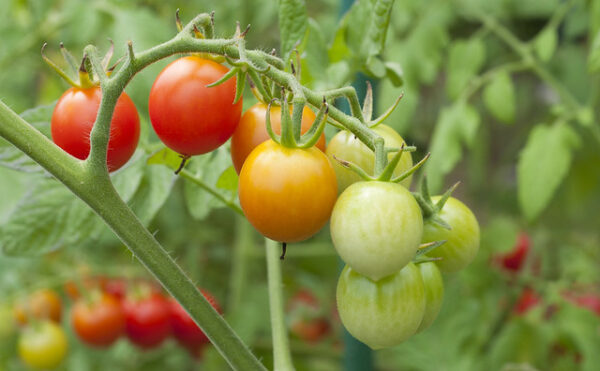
384, 313
376, 228
434, 293
462, 241
43, 345
345, 146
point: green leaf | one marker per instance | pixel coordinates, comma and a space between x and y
375, 67
209, 168
167, 157
594, 55
314, 60
293, 21
394, 73
229, 180
457, 125
545, 44
152, 193
48, 217
375, 42
499, 97
543, 164
39, 117
465, 59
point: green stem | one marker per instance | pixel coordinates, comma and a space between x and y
239, 266
210, 189
282, 359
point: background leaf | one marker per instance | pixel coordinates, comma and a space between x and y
456, 126
464, 61
543, 164
293, 22
499, 97
545, 44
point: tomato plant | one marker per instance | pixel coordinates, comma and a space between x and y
74, 116
346, 146
376, 228
252, 131
287, 194
147, 322
434, 293
189, 117
98, 321
384, 313
462, 240
42, 345
185, 330
41, 304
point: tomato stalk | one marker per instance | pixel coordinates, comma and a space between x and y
282, 359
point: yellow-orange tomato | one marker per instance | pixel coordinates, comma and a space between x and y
44, 303
252, 131
287, 194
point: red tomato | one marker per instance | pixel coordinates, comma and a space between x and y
513, 260
74, 116
185, 329
589, 301
528, 299
189, 117
116, 287
287, 194
99, 322
147, 320
252, 131
306, 321
42, 304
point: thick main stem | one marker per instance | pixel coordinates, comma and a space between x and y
282, 359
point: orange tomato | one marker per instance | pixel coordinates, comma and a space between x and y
287, 194
42, 304
252, 131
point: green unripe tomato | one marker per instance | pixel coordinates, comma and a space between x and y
462, 241
345, 146
434, 293
384, 313
376, 228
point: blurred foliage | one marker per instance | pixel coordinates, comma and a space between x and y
528, 159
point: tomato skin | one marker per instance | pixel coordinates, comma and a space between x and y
434, 293
462, 241
147, 322
252, 131
187, 116
41, 304
100, 322
74, 117
376, 228
287, 194
184, 328
384, 313
346, 146
43, 345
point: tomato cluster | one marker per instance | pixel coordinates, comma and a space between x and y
290, 186
103, 311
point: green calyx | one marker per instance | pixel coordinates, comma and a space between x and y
81, 75
291, 124
388, 171
429, 208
